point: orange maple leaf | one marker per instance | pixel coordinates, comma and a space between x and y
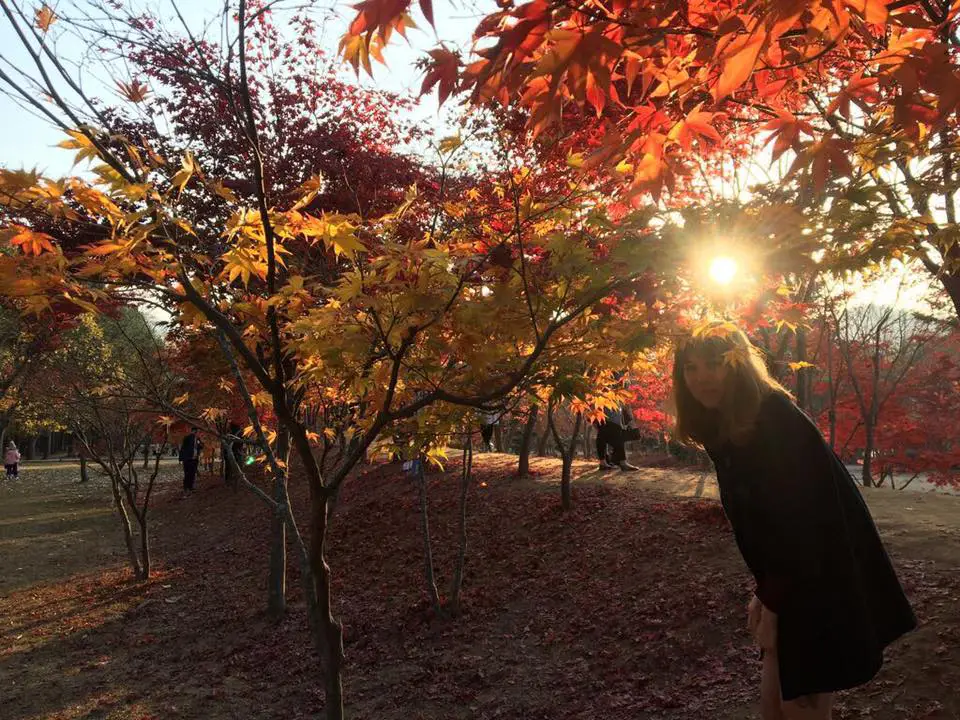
135, 91
786, 129
740, 57
30, 241
696, 124
861, 90
44, 18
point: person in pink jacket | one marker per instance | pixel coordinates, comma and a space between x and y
11, 459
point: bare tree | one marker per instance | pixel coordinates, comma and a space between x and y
99, 395
879, 345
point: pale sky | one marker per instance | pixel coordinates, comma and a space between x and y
29, 141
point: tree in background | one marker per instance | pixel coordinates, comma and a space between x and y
96, 386
883, 350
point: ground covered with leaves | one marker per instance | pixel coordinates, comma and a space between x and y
630, 606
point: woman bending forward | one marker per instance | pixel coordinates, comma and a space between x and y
827, 600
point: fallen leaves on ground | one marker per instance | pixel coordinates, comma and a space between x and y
630, 606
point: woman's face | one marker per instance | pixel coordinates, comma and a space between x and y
706, 377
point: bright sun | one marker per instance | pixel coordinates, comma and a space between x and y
723, 270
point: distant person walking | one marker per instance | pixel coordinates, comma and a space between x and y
11, 461
190, 450
827, 599
488, 423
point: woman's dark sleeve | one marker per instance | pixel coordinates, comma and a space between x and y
795, 502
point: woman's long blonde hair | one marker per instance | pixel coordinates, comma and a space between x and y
747, 383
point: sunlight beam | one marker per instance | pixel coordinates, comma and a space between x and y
723, 269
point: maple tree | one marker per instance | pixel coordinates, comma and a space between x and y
454, 298
345, 162
861, 94
648, 394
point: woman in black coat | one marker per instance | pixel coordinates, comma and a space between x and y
827, 600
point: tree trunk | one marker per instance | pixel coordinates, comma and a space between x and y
566, 484
951, 281
545, 438
127, 530
277, 582
498, 436
146, 455
327, 631
869, 431
525, 439
566, 454
84, 474
32, 448
831, 395
803, 373
462, 517
47, 442
144, 545
429, 576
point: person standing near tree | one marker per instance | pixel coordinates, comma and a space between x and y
488, 423
190, 450
11, 461
613, 432
827, 599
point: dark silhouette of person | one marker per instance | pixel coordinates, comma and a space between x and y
190, 450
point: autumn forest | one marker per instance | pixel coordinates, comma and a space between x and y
317, 318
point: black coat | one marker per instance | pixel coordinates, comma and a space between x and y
190, 448
807, 536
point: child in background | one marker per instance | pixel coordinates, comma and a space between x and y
11, 461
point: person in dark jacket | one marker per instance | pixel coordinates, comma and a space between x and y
827, 599
190, 450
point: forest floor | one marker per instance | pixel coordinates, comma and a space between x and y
630, 606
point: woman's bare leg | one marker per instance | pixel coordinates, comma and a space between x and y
811, 707
770, 705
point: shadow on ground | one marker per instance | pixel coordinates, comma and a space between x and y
631, 606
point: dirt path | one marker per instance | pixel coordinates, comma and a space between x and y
628, 608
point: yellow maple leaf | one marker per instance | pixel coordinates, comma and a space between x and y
81, 142
342, 240
450, 143
735, 358
188, 167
